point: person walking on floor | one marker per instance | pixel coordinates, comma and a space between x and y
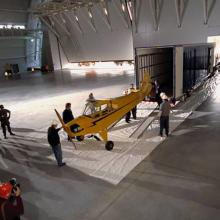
68, 115
164, 112
5, 115
54, 141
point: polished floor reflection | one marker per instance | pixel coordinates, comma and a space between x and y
32, 85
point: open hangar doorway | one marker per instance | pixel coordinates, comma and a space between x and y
177, 68
158, 62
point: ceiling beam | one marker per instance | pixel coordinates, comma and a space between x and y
105, 13
43, 20
91, 19
181, 6
13, 10
156, 8
73, 20
136, 8
62, 25
121, 7
208, 6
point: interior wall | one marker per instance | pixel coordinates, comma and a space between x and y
58, 56
46, 50
12, 52
192, 30
10, 5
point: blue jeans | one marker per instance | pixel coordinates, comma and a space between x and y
58, 153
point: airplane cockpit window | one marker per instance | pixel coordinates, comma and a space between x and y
89, 109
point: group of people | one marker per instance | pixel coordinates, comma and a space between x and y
53, 135
11, 204
164, 105
53, 132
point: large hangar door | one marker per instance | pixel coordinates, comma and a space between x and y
197, 62
158, 62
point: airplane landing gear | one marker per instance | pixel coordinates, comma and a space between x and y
80, 138
109, 145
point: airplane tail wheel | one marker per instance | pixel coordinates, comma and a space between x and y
109, 145
80, 138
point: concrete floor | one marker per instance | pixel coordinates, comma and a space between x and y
179, 180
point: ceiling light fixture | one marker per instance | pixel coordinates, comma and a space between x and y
105, 10
123, 7
90, 14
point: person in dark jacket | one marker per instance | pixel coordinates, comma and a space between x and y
11, 204
54, 141
68, 115
5, 115
134, 110
164, 113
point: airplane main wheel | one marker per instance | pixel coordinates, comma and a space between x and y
109, 145
80, 138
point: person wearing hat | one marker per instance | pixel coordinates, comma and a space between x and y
91, 101
11, 204
5, 115
54, 141
164, 112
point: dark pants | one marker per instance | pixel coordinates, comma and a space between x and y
164, 124
134, 112
128, 116
58, 153
4, 125
158, 99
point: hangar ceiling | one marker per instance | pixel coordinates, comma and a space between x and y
129, 9
77, 23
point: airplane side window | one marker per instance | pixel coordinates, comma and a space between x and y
103, 107
75, 128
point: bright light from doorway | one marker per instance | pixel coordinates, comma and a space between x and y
99, 67
216, 40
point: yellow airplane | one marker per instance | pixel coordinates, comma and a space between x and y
105, 113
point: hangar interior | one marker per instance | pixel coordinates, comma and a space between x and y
53, 52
